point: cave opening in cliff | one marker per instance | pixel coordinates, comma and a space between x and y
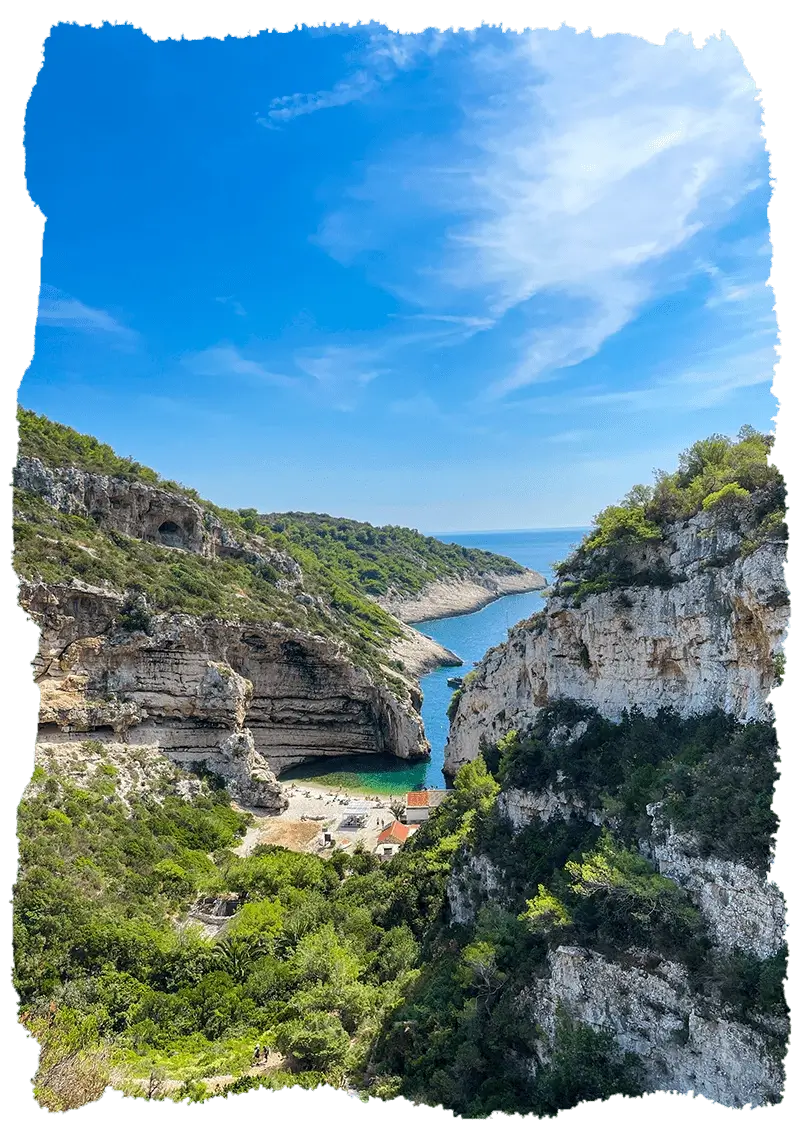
172, 534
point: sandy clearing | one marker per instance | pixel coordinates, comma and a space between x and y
317, 809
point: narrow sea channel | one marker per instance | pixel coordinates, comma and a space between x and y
469, 636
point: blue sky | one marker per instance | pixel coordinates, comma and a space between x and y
460, 281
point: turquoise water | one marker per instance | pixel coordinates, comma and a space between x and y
469, 636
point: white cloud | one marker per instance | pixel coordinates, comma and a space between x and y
295, 105
228, 361
58, 309
469, 323
340, 372
582, 166
386, 56
234, 304
720, 373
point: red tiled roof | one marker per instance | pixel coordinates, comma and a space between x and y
417, 798
394, 832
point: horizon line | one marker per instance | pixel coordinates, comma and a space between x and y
506, 531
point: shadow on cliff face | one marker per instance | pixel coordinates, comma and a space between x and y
172, 534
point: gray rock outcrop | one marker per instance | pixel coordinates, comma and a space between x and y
706, 641
462, 593
684, 1045
742, 909
248, 700
154, 514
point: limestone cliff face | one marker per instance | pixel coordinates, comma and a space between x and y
249, 700
687, 1040
686, 1044
153, 514
707, 640
473, 881
742, 909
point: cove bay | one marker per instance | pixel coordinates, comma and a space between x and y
469, 636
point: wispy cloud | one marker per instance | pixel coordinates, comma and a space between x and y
228, 362
712, 381
58, 309
340, 372
296, 105
468, 322
234, 304
335, 373
576, 191
386, 56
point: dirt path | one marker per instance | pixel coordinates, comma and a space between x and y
171, 1085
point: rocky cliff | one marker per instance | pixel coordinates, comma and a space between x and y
684, 1030
684, 1042
142, 511
705, 637
630, 729
246, 697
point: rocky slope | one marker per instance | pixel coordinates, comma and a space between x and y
684, 1044
455, 596
419, 653
246, 697
316, 667
247, 700
707, 640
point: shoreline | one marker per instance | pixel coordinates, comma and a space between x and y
312, 809
421, 654
459, 597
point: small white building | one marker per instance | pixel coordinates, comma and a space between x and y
421, 803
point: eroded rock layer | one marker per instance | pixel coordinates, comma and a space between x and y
248, 700
706, 639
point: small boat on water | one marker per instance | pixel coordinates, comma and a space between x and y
455, 681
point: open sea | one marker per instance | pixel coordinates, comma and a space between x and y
469, 636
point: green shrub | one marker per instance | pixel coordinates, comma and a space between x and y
585, 1065
730, 477
730, 494
715, 775
546, 913
455, 699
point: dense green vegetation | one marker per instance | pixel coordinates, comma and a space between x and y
732, 481
714, 776
52, 546
375, 560
110, 972
462, 1038
345, 968
356, 557
330, 963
